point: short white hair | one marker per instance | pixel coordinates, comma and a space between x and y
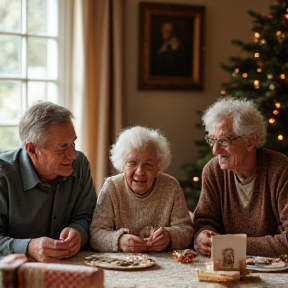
245, 117
139, 137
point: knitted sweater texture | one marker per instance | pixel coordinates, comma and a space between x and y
119, 211
264, 220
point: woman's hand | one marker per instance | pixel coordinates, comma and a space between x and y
203, 243
132, 244
159, 240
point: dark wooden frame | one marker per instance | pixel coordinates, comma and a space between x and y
191, 20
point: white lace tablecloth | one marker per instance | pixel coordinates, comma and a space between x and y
167, 273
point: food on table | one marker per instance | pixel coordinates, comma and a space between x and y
252, 260
185, 256
132, 261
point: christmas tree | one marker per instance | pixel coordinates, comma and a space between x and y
261, 75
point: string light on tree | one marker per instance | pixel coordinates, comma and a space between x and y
269, 76
282, 76
244, 75
275, 112
271, 120
256, 84
280, 137
196, 179
272, 86
256, 37
277, 105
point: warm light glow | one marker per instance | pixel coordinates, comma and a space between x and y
237, 70
196, 179
278, 33
245, 75
263, 41
256, 84
272, 86
270, 76
277, 105
259, 70
257, 55
286, 16
223, 92
282, 76
280, 137
275, 112
271, 120
256, 37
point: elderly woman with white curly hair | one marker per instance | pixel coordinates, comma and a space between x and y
245, 186
142, 208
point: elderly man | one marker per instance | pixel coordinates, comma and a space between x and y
245, 186
47, 197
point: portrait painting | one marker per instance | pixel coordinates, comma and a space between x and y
171, 46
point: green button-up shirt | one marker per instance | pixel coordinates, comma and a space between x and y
29, 209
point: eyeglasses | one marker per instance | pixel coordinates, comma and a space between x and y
223, 142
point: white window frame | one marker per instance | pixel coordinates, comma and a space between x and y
64, 43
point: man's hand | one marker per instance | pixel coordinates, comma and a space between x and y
45, 249
203, 243
159, 240
73, 239
130, 243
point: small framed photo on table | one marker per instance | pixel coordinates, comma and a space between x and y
229, 252
171, 46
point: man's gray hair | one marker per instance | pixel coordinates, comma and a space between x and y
139, 137
246, 119
38, 119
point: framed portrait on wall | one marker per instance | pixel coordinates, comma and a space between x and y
171, 46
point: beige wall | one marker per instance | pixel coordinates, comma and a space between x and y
175, 111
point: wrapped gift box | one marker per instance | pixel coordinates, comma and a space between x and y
44, 275
8, 269
16, 272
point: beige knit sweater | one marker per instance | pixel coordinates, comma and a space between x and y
119, 211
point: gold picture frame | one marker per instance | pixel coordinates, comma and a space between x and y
171, 46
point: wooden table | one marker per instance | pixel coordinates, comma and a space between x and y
167, 273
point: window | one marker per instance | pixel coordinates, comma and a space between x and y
29, 52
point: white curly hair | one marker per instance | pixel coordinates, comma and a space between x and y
139, 137
246, 119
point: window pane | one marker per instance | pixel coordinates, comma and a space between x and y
10, 55
41, 91
10, 15
42, 58
10, 102
40, 13
9, 138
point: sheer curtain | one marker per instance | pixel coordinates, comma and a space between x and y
96, 86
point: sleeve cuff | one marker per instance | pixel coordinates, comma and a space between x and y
20, 246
